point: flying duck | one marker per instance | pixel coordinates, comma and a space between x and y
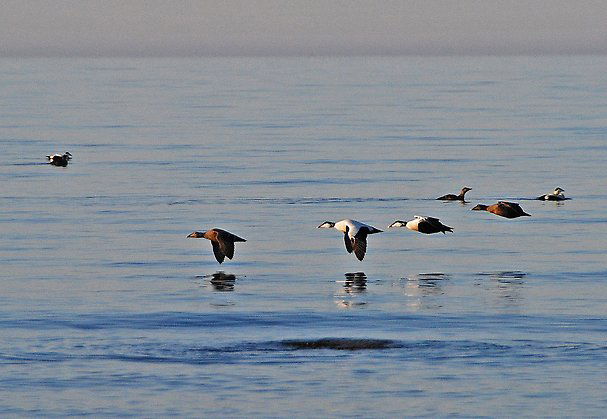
59, 159
222, 241
355, 235
557, 195
426, 225
503, 209
452, 197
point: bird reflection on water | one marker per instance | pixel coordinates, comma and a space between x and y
355, 286
508, 286
221, 281
426, 283
355, 283
424, 289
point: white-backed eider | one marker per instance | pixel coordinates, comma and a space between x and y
453, 197
426, 225
557, 195
222, 241
59, 159
503, 209
355, 235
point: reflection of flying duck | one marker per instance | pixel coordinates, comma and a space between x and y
356, 282
453, 197
426, 225
503, 209
59, 159
222, 281
222, 241
557, 195
355, 235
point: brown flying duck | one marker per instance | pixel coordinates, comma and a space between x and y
452, 197
59, 159
503, 209
222, 241
557, 195
426, 225
355, 235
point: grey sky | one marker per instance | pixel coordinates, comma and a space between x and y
318, 27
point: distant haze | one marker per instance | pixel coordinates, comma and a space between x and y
310, 27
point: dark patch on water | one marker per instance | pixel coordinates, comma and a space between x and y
340, 344
504, 275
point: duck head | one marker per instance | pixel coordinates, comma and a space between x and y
327, 224
480, 207
398, 223
196, 235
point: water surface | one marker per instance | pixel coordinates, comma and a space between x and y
107, 309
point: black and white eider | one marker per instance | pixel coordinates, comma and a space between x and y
355, 235
557, 195
453, 197
222, 241
59, 159
426, 225
503, 209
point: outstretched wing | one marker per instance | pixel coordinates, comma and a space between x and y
359, 243
219, 255
514, 206
226, 242
227, 247
348, 241
510, 204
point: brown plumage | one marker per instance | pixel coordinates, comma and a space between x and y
503, 209
452, 197
222, 241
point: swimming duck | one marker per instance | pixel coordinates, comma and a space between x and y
59, 159
557, 195
355, 235
503, 209
426, 225
222, 241
452, 197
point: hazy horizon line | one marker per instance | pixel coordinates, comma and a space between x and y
305, 54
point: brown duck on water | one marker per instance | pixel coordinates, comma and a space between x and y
452, 197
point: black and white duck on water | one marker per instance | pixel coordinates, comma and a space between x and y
426, 225
59, 159
557, 195
355, 234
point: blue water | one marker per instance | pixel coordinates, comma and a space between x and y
106, 309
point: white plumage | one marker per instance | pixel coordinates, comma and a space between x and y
355, 234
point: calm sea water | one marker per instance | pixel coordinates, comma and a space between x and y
107, 309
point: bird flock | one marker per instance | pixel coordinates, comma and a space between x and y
355, 232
